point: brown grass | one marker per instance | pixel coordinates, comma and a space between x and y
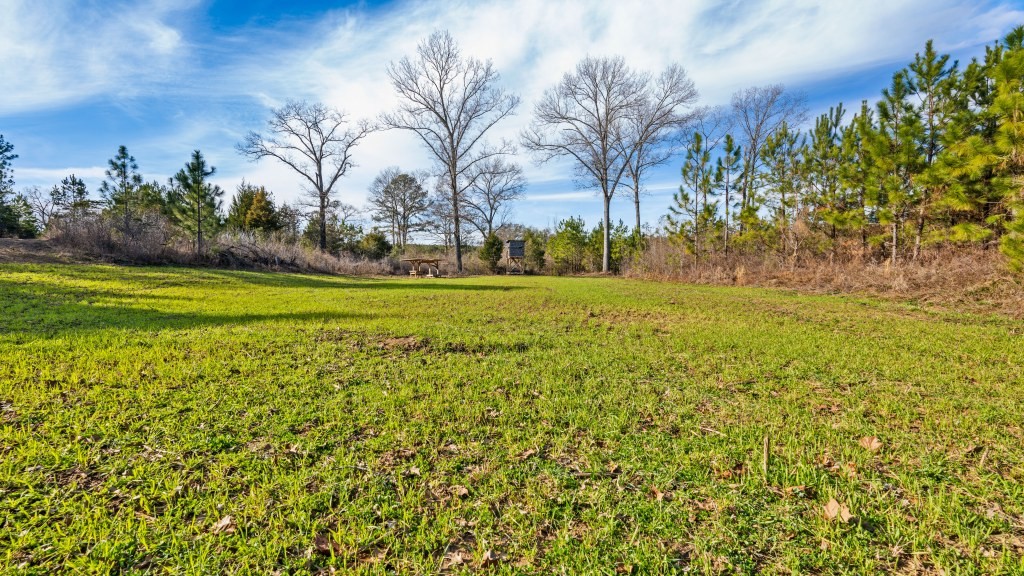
960, 278
96, 238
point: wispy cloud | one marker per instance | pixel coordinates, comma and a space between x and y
59, 53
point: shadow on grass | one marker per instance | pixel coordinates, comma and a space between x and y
29, 311
287, 280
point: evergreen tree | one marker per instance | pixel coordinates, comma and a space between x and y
691, 215
7, 156
1007, 149
855, 173
970, 202
121, 190
933, 81
262, 216
536, 246
196, 201
897, 161
568, 245
240, 204
490, 252
781, 155
252, 209
9, 214
71, 197
727, 179
823, 157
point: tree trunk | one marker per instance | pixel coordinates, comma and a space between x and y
785, 238
920, 233
457, 233
606, 259
636, 203
199, 228
892, 256
323, 222
727, 215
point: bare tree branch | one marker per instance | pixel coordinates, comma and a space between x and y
497, 183
316, 142
450, 102
758, 112
655, 127
585, 118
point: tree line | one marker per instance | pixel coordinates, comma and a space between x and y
935, 160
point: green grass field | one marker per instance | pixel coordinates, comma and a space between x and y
200, 421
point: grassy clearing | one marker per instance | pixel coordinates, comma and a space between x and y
507, 425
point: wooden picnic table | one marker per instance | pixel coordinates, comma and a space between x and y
417, 262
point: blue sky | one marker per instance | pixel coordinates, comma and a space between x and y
165, 77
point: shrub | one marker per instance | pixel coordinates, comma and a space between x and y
568, 246
374, 245
491, 252
536, 243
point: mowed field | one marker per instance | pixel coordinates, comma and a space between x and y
163, 420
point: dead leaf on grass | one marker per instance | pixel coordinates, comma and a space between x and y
460, 491
660, 496
225, 525
850, 469
834, 510
871, 443
527, 453
326, 546
490, 558
452, 559
799, 490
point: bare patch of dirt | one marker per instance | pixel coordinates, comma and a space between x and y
403, 343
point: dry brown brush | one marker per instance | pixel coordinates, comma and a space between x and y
970, 277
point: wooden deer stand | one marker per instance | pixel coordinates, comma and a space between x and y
515, 255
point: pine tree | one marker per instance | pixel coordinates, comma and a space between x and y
1008, 145
969, 202
240, 204
196, 201
690, 214
933, 82
9, 214
897, 161
856, 174
71, 197
261, 216
121, 190
823, 157
727, 178
781, 155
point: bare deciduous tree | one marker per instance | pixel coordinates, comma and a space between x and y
400, 201
316, 142
43, 204
758, 112
450, 102
585, 118
440, 217
496, 184
654, 129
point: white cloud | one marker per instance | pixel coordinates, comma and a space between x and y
560, 196
58, 53
55, 52
725, 47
